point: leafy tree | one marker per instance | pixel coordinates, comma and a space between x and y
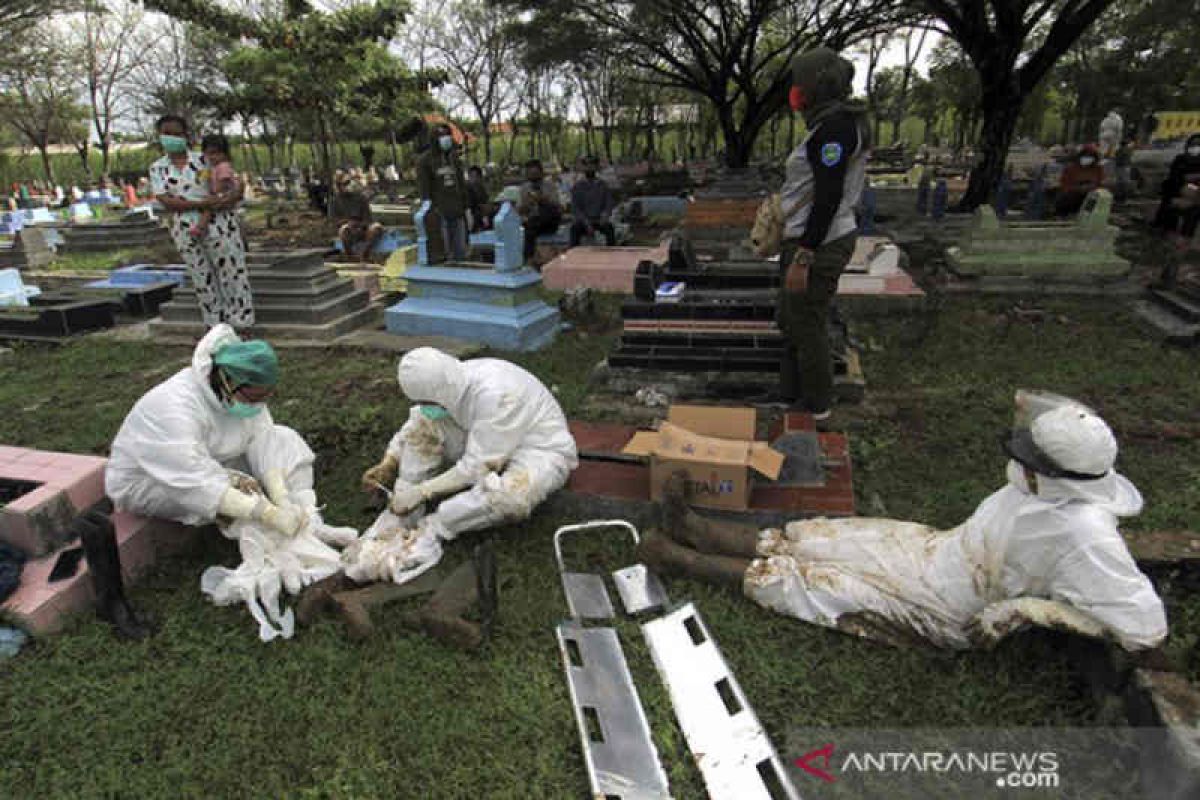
1012, 45
307, 64
477, 50
1138, 57
109, 50
37, 95
734, 53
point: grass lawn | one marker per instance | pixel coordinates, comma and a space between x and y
205, 710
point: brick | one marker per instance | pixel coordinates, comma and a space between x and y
87, 489
601, 437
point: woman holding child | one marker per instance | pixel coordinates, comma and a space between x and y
201, 196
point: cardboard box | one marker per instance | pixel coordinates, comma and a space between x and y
715, 446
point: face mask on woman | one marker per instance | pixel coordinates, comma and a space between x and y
1193, 150
446, 142
173, 144
1087, 161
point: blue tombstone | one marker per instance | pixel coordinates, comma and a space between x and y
1035, 206
41, 214
941, 196
923, 194
12, 222
1002, 194
510, 239
498, 304
422, 232
867, 206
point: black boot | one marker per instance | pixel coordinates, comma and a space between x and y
99, 540
486, 586
789, 374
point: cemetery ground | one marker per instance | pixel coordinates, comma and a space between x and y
205, 709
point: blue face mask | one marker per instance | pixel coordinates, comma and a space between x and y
446, 142
244, 410
434, 412
235, 407
173, 144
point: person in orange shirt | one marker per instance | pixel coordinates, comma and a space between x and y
1081, 176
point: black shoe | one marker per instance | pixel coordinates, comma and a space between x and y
489, 593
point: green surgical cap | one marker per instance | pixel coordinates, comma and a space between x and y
251, 363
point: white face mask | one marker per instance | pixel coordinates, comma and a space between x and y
446, 142
1087, 161
1194, 150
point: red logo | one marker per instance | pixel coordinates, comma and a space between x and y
825, 753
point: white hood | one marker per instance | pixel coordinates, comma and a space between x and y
202, 358
427, 375
1113, 493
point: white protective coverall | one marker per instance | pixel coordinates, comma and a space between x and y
175, 456
1061, 544
506, 439
1112, 127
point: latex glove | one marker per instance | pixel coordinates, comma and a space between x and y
287, 520
382, 474
277, 488
1009, 616
237, 504
405, 500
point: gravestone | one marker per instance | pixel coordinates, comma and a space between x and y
1078, 251
923, 194
136, 231
29, 250
498, 304
14, 291
1035, 206
941, 196
430, 247
866, 217
1003, 191
79, 212
296, 296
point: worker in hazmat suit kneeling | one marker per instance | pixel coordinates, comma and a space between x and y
1044, 550
201, 447
484, 445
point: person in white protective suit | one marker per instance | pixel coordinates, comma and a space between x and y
1043, 550
1112, 128
507, 445
201, 447
491, 442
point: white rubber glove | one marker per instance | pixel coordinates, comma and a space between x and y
1009, 616
277, 488
236, 504
405, 500
451, 481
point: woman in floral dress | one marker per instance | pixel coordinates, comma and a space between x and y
215, 260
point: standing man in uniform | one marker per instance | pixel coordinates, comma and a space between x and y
825, 177
440, 180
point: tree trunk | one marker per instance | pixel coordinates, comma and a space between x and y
46, 166
1001, 109
392, 147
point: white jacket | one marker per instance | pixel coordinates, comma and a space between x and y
501, 407
170, 457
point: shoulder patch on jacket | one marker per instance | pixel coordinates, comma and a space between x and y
831, 153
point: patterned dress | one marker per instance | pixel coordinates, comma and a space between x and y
217, 262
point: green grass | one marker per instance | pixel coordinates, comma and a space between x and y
205, 710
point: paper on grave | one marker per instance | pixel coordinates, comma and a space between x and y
674, 443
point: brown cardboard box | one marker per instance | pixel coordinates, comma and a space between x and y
715, 446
